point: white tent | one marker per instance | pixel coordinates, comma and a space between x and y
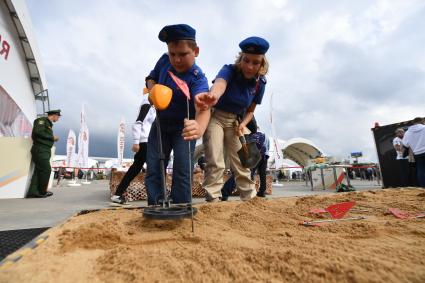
299, 150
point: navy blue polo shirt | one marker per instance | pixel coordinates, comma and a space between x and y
195, 79
240, 92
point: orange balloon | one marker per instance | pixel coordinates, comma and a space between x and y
160, 96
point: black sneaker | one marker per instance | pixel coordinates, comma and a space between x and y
261, 194
47, 194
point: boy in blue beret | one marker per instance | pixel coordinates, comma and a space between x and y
236, 91
176, 129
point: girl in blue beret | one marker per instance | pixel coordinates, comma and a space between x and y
236, 91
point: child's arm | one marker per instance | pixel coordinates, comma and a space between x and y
150, 83
248, 116
209, 99
194, 129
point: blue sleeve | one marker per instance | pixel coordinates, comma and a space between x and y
226, 73
154, 74
259, 96
199, 85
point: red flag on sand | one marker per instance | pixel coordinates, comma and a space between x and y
405, 215
181, 84
338, 210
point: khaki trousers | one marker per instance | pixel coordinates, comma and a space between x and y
219, 135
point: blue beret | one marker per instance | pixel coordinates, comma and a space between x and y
176, 32
254, 45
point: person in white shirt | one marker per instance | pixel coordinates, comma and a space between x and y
401, 160
141, 130
415, 139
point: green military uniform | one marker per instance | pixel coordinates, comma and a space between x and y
43, 139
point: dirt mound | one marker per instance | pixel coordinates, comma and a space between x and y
256, 241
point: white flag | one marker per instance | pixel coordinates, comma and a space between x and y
83, 142
120, 142
70, 149
83, 147
274, 143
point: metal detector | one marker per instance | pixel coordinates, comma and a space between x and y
165, 210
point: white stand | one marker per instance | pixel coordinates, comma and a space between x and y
74, 183
277, 184
86, 182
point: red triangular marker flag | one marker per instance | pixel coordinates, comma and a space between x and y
338, 210
181, 84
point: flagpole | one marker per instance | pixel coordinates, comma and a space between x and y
185, 89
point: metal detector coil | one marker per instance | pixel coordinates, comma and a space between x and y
168, 213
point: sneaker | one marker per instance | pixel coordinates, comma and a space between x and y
119, 200
261, 194
47, 194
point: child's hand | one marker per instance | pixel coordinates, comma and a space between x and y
205, 100
135, 147
239, 129
191, 130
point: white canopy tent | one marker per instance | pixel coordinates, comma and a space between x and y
299, 150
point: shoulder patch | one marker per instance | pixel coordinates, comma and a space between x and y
41, 122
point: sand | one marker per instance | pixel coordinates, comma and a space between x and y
256, 241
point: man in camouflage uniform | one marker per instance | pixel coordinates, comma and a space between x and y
43, 139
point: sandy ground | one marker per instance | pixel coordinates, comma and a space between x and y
256, 241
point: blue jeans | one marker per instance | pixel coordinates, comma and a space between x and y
171, 135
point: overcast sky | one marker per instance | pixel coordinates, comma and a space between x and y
336, 67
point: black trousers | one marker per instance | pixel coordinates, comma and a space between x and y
228, 188
261, 169
403, 167
135, 168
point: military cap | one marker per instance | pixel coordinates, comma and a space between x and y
54, 112
177, 32
254, 45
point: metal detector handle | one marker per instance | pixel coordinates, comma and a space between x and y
161, 161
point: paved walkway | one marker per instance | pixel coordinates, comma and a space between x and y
67, 201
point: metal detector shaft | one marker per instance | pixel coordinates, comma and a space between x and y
190, 172
312, 223
161, 159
